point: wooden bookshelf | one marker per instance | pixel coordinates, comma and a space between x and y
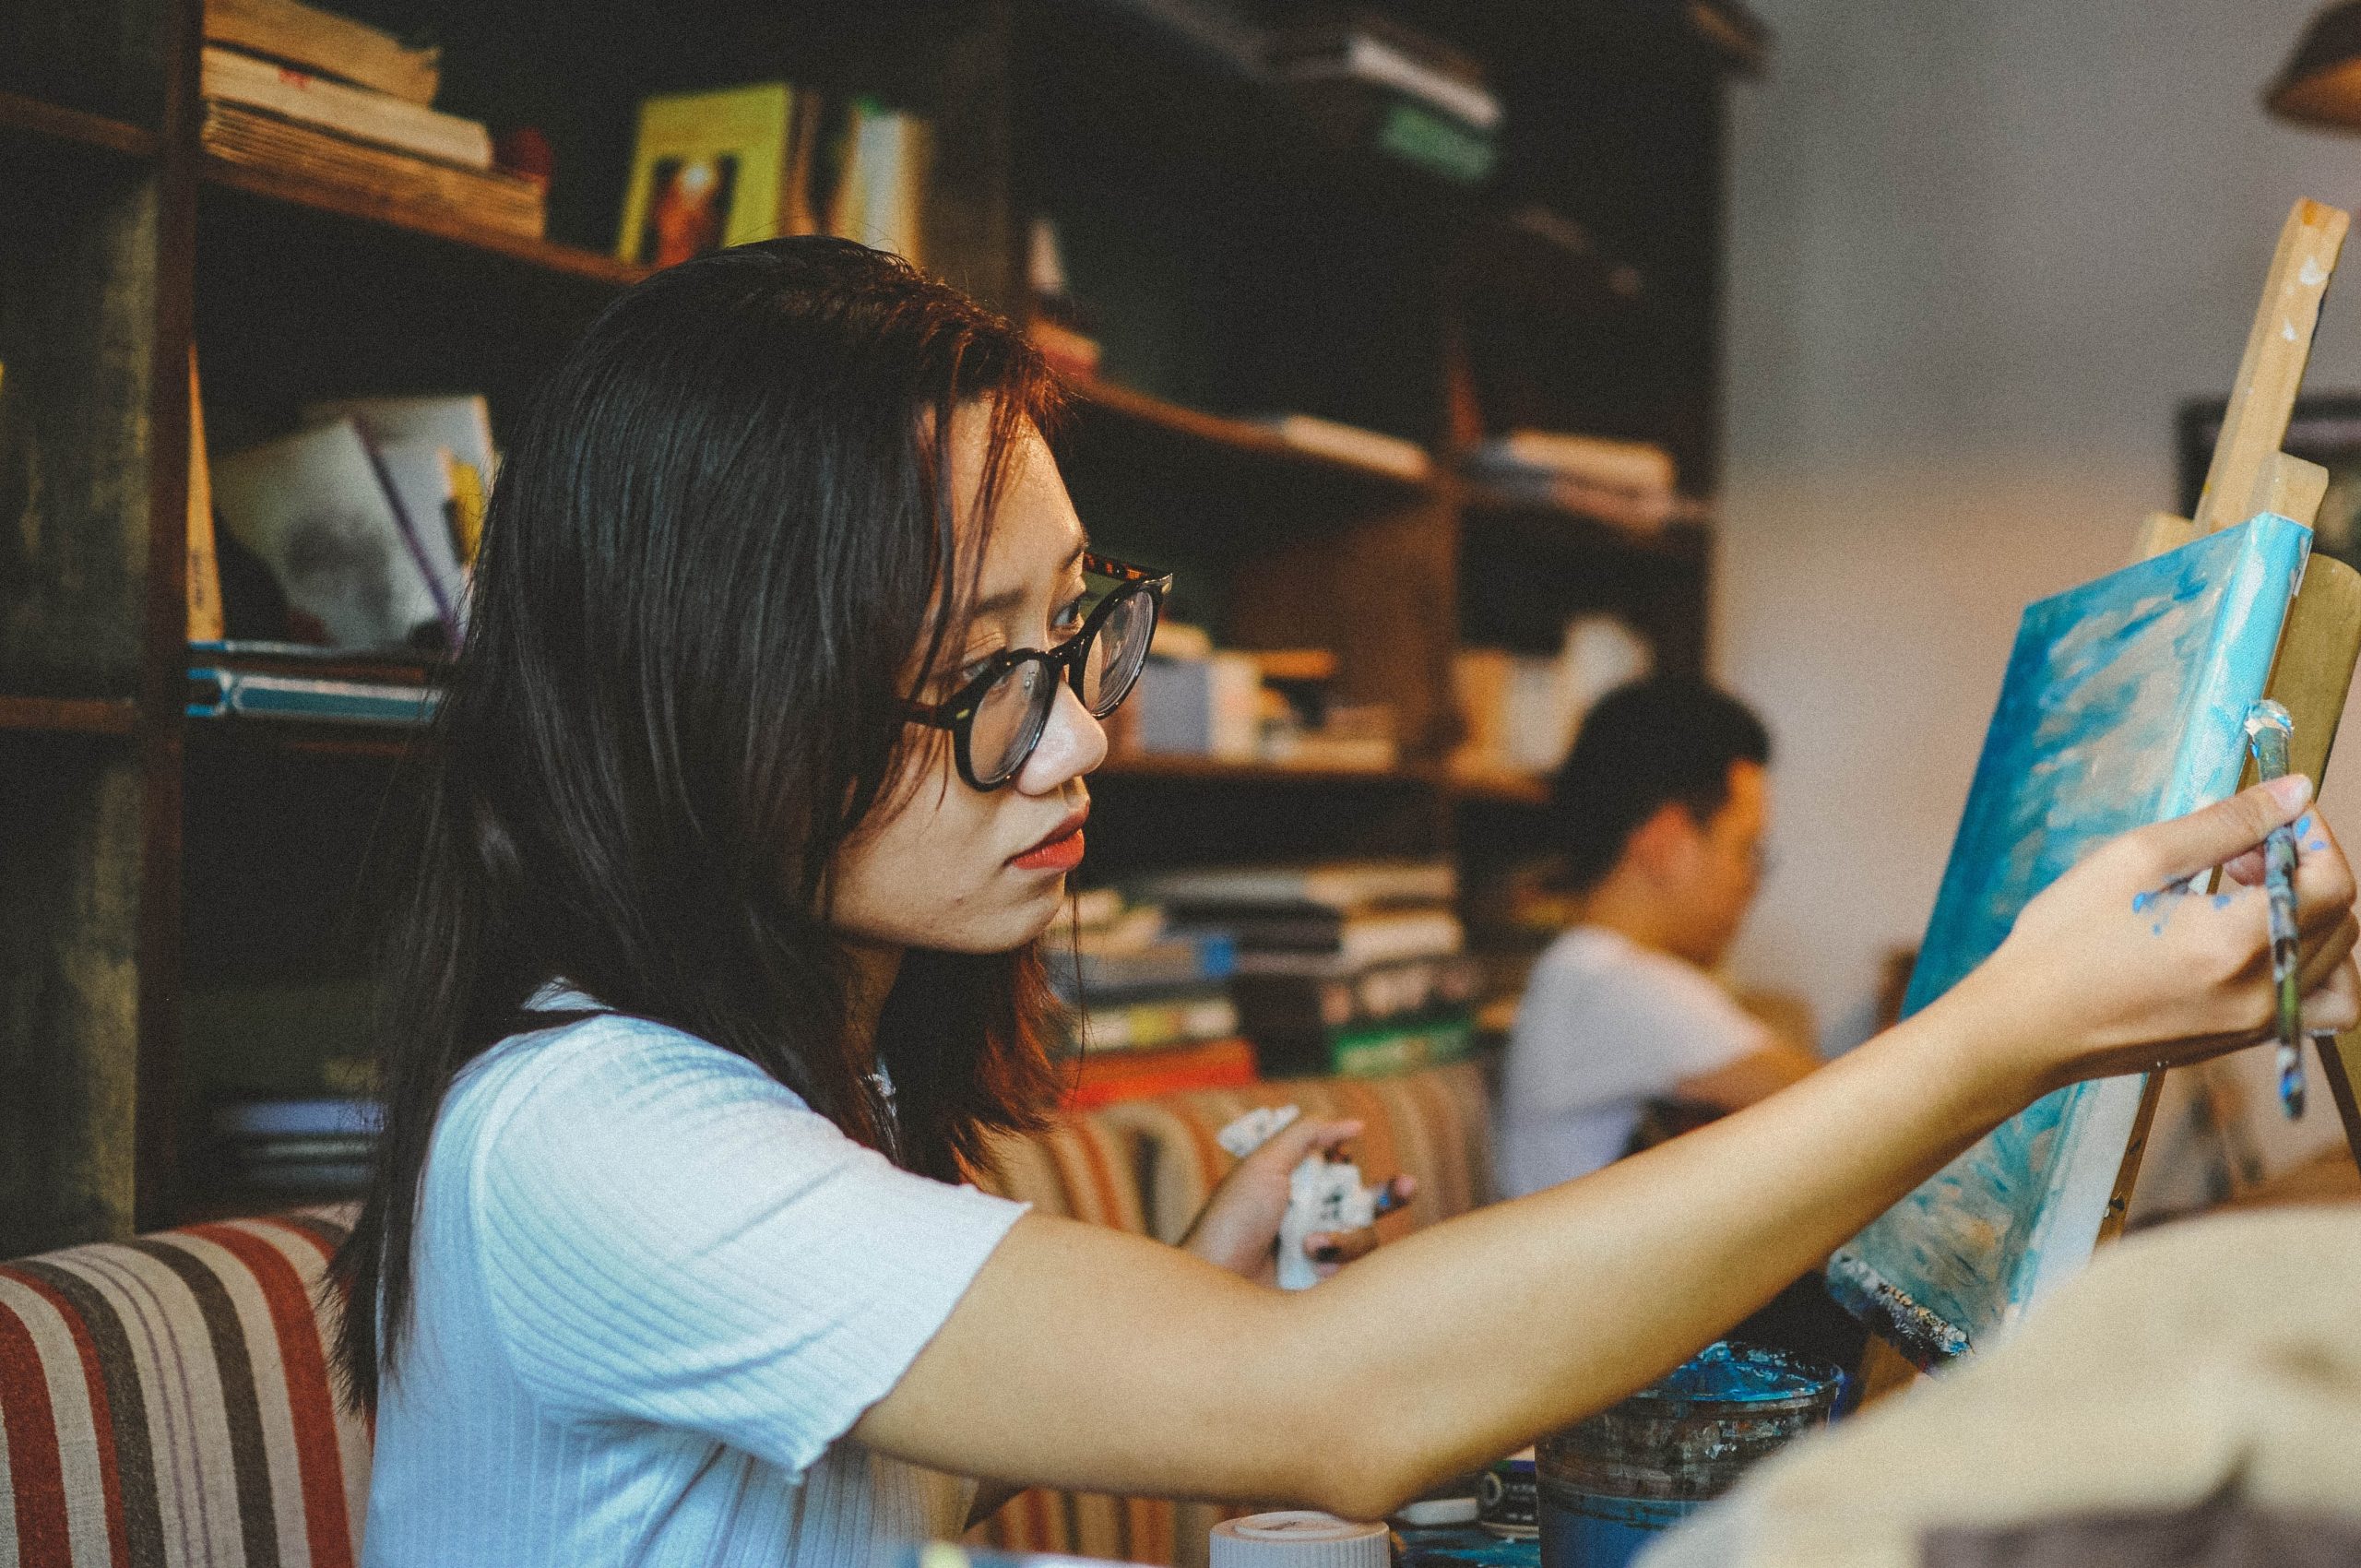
75, 715
1225, 440
1236, 262
30, 122
437, 224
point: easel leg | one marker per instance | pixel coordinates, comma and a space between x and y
2338, 1058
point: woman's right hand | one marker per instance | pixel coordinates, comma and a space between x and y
2125, 964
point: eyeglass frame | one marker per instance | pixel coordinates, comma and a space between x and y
957, 712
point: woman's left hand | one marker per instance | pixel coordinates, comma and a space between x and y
1239, 1229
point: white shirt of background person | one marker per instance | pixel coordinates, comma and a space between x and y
1621, 1008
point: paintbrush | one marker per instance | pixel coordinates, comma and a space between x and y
2268, 730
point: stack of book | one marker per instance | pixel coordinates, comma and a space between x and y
311, 1147
291, 88
1370, 81
723, 168
1352, 967
1273, 706
1628, 483
1152, 1009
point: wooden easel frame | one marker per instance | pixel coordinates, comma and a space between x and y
2321, 641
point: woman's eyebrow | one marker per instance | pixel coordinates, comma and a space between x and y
1010, 597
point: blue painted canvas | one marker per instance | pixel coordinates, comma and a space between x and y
2124, 704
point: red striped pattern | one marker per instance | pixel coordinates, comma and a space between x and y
167, 1400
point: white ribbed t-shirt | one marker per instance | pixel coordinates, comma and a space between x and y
654, 1290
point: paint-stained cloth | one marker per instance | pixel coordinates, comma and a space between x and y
2210, 1361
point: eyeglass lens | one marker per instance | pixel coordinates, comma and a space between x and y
1113, 661
1015, 709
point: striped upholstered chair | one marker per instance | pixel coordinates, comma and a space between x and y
167, 1400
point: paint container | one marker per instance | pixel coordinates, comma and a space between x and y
1612, 1482
1466, 1546
1298, 1537
1507, 1504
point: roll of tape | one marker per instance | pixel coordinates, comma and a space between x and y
1298, 1538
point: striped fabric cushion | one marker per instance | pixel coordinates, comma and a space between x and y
167, 1400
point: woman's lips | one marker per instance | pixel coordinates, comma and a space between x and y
1061, 850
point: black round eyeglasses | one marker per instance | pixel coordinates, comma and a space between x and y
998, 718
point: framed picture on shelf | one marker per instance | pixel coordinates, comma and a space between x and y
705, 173
2325, 429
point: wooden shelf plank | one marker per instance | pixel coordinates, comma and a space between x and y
1506, 788
1565, 527
32, 116
1109, 400
345, 201
87, 716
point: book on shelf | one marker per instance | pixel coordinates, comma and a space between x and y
490, 199
222, 691
226, 76
1320, 886
1631, 484
327, 43
725, 167
1184, 1017
315, 508
1278, 1007
202, 585
1085, 970
882, 176
1373, 1050
1327, 943
438, 458
1350, 444
1097, 1080
1373, 50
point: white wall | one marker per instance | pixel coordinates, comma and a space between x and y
1979, 251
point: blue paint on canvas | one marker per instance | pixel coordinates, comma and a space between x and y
2123, 705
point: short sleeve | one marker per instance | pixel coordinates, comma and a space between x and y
667, 1233
1620, 1024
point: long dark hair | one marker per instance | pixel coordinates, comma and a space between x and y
718, 541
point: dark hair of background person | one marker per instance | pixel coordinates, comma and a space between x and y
714, 549
1667, 739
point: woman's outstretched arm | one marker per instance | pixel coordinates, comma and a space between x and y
1084, 1358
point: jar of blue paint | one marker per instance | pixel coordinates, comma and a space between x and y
1612, 1482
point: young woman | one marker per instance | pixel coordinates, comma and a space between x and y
762, 769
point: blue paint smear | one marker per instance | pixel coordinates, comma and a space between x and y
2124, 704
2220, 900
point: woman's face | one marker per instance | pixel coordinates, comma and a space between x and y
941, 864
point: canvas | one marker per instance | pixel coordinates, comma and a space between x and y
2123, 704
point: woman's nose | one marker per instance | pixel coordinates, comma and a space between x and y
1071, 743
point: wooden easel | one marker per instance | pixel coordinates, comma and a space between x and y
2319, 644
2322, 640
